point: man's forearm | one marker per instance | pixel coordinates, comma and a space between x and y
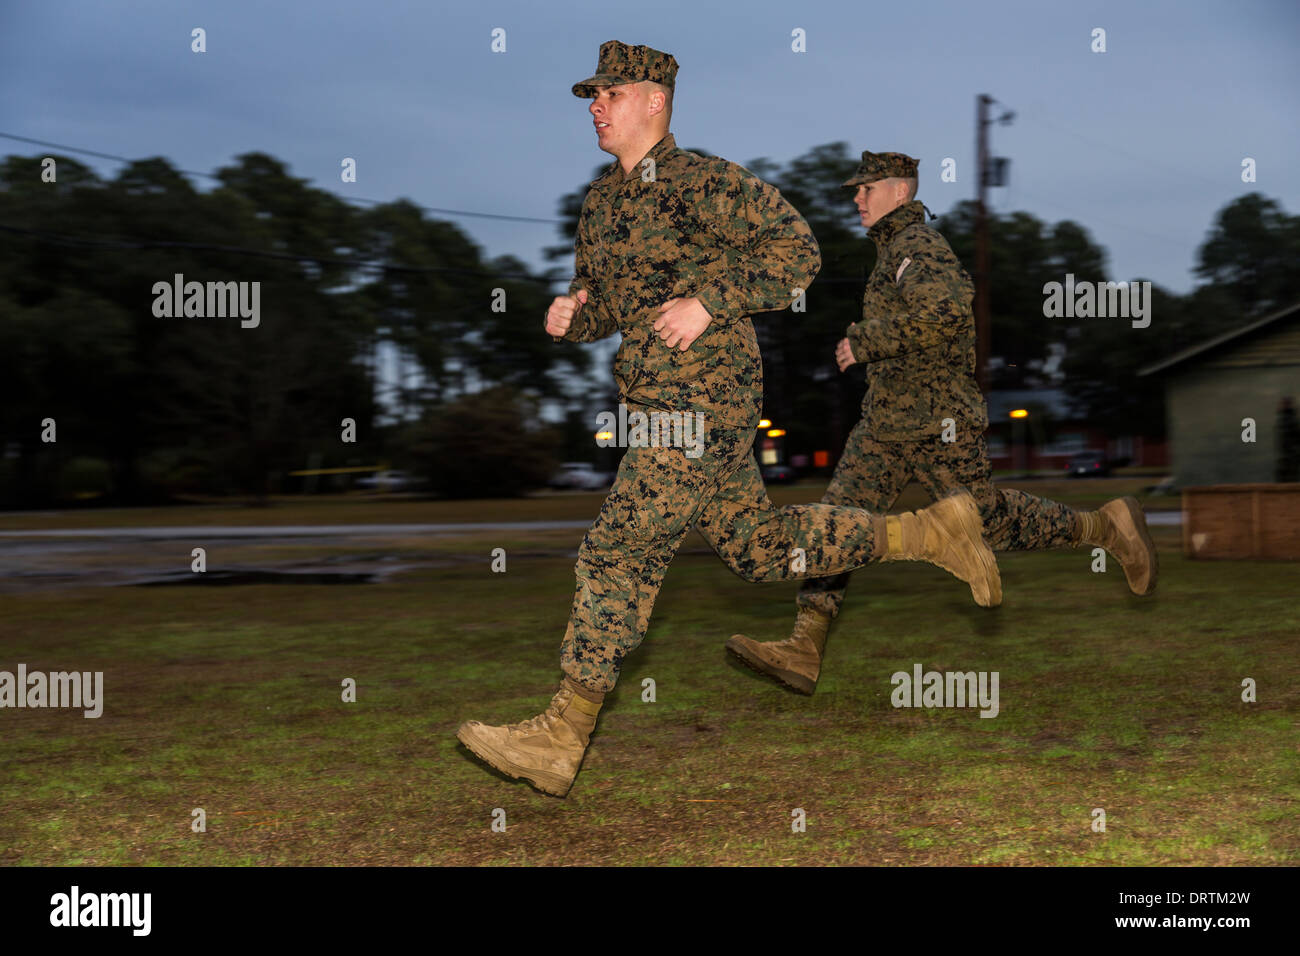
768, 280
593, 321
774, 253
880, 338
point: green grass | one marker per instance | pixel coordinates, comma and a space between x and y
228, 699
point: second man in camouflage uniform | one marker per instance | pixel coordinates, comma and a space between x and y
923, 417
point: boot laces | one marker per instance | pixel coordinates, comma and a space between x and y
543, 721
800, 638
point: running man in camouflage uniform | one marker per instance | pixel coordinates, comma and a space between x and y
923, 417
676, 251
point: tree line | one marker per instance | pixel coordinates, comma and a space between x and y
149, 409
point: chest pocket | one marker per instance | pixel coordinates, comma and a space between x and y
881, 296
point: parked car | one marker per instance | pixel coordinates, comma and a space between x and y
1088, 464
778, 474
580, 475
388, 481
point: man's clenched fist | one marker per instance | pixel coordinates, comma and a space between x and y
560, 315
681, 322
844, 353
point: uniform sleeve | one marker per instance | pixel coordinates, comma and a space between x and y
936, 296
769, 250
594, 320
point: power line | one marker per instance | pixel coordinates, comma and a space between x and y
104, 243
119, 243
354, 199
1035, 114
362, 264
1184, 241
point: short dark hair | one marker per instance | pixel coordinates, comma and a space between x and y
667, 91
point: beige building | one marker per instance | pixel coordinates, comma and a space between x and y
1212, 388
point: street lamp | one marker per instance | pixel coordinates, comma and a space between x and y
1017, 414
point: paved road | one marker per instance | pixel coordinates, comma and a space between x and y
295, 531
67, 557
1164, 519
1157, 518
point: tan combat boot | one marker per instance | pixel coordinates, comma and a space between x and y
948, 534
1120, 527
546, 750
797, 660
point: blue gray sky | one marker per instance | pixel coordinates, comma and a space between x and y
1141, 144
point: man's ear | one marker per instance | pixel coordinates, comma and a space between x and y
657, 102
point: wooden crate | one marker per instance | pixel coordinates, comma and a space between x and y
1242, 521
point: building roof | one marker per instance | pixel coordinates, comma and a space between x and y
1190, 353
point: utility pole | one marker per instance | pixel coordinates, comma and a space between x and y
989, 172
982, 330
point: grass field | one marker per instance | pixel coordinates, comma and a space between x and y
228, 699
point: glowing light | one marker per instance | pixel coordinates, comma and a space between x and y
1019, 413
775, 432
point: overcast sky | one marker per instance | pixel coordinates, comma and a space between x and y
1142, 144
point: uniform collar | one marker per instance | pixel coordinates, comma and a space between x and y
892, 223
615, 175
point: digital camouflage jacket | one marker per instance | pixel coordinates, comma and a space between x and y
917, 334
682, 226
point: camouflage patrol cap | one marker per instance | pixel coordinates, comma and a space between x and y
620, 63
876, 166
